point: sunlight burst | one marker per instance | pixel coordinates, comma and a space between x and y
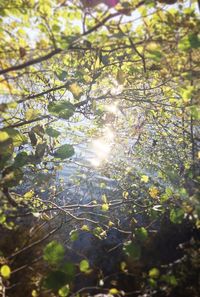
101, 148
112, 108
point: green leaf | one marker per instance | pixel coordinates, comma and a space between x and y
141, 234
62, 109
12, 176
53, 253
5, 271
154, 273
132, 250
194, 40
176, 216
73, 235
6, 151
32, 137
39, 130
40, 150
2, 218
84, 266
152, 282
64, 151
52, 132
64, 291
195, 111
190, 41
98, 231
55, 280
170, 279
62, 75
21, 159
155, 55
69, 269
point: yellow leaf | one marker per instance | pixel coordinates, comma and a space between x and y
114, 291
152, 46
29, 195
31, 114
153, 192
12, 105
84, 266
34, 293
144, 178
5, 271
110, 223
3, 136
87, 78
125, 195
5, 87
105, 207
123, 266
76, 90
85, 228
45, 217
154, 273
104, 198
97, 63
198, 224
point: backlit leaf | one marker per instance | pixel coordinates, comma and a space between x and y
141, 234
114, 291
31, 114
154, 192
84, 266
76, 90
105, 206
3, 136
154, 273
64, 291
53, 253
176, 216
17, 137
144, 178
5, 271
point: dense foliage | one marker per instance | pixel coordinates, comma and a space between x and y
122, 79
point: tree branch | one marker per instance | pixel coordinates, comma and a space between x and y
31, 62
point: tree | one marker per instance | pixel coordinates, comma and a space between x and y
122, 73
